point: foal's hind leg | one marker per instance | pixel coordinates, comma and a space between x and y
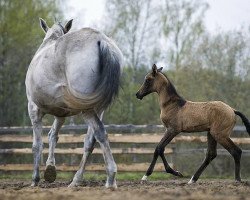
159, 151
50, 171
211, 154
236, 152
37, 146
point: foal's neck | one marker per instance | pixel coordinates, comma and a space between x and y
169, 98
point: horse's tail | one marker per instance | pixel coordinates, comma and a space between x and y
107, 86
244, 120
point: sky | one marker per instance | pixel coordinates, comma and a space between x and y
223, 15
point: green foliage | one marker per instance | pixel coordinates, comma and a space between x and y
20, 36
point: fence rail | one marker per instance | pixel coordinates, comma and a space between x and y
143, 136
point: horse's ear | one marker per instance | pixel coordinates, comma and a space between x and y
154, 69
160, 69
68, 26
43, 25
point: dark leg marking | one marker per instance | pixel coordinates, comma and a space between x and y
211, 154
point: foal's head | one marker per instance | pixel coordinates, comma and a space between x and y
56, 30
152, 82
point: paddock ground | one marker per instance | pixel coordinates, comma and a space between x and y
128, 190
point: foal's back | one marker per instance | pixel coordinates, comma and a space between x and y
214, 116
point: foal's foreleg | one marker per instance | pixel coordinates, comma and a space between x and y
37, 146
211, 154
159, 151
50, 171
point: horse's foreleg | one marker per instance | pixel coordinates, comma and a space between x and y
50, 171
211, 154
159, 151
37, 146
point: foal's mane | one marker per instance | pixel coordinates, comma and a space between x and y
174, 96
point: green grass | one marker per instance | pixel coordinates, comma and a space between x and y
122, 176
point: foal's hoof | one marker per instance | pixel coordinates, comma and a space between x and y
50, 173
191, 181
144, 179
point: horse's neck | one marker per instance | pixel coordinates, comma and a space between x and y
46, 44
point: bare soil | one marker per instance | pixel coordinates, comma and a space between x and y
128, 190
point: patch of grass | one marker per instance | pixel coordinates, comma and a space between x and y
122, 176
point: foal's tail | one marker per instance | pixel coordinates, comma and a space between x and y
107, 85
244, 120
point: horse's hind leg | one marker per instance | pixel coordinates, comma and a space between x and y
50, 171
236, 152
89, 142
36, 119
211, 154
102, 138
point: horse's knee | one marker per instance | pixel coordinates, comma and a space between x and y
37, 148
101, 136
112, 168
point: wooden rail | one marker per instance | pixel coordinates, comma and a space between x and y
10, 135
126, 128
80, 151
117, 138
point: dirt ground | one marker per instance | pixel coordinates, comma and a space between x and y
128, 190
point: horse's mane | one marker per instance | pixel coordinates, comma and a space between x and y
174, 96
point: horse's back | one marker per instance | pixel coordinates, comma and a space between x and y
71, 62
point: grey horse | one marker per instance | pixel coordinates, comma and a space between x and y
72, 73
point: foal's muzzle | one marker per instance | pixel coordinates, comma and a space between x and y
138, 96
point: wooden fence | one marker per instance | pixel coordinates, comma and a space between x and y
15, 135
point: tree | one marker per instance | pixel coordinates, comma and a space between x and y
182, 25
20, 36
134, 26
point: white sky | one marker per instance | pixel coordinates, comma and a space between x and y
223, 15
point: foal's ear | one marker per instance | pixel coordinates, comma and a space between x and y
160, 69
43, 25
68, 26
154, 69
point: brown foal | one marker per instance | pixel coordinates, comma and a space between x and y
179, 115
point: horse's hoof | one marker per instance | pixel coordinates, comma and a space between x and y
111, 187
34, 184
74, 184
50, 173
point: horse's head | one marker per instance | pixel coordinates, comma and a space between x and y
56, 30
151, 83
